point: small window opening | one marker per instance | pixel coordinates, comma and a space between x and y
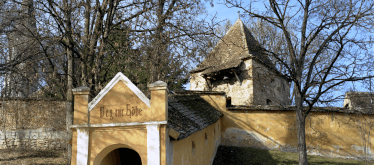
228, 101
268, 101
214, 133
206, 139
193, 148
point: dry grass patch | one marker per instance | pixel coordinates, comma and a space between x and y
32, 157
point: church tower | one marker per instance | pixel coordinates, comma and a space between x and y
19, 82
238, 66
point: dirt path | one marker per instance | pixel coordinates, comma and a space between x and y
32, 157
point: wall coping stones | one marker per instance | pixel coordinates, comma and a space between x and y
31, 99
195, 92
158, 83
292, 108
81, 89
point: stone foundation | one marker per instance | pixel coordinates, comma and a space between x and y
33, 139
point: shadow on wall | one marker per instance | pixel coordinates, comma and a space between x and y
327, 134
250, 131
340, 133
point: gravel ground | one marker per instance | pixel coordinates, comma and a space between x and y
32, 157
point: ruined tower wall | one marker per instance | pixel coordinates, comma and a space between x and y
240, 94
259, 86
269, 89
197, 82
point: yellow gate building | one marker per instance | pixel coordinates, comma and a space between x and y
121, 125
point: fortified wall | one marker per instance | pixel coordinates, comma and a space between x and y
257, 111
32, 123
330, 132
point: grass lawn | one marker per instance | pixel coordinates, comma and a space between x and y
247, 156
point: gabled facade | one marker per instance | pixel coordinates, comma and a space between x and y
238, 66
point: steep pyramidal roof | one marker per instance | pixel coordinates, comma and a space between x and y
236, 45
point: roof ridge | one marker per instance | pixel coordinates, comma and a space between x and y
243, 33
237, 44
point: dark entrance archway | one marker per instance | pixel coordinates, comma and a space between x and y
122, 156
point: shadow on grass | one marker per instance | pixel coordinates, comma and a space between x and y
47, 164
243, 156
227, 155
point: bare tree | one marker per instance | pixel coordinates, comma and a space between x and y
74, 47
331, 47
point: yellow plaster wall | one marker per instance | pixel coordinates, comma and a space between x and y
159, 105
124, 104
216, 101
105, 140
327, 134
80, 109
205, 149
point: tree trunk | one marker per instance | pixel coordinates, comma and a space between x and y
69, 94
300, 123
69, 102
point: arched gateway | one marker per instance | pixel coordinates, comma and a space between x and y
118, 156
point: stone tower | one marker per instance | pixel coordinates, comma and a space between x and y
239, 67
21, 81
